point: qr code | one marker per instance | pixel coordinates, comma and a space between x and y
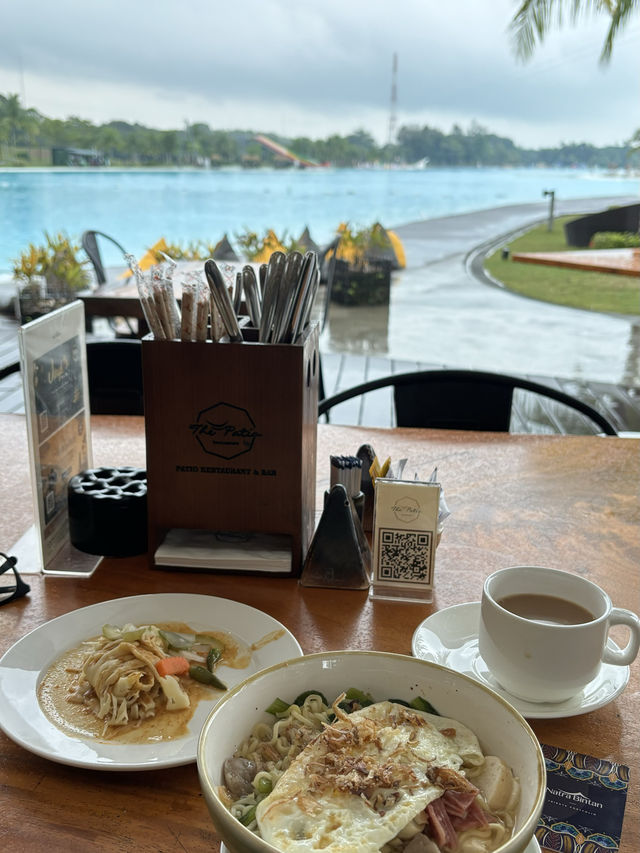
405, 556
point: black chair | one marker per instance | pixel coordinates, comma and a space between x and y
114, 369
89, 242
122, 326
460, 399
8, 369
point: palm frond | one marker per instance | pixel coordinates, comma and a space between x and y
620, 15
534, 19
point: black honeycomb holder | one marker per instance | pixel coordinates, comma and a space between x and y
108, 511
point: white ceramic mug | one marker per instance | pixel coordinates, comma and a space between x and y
544, 661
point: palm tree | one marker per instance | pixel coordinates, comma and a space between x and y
15, 121
535, 18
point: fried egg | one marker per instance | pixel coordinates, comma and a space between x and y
363, 779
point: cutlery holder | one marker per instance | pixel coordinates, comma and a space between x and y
231, 431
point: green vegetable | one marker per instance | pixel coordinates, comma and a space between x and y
248, 817
213, 657
278, 706
264, 785
299, 700
355, 695
176, 641
207, 640
113, 632
355, 699
420, 704
204, 676
132, 636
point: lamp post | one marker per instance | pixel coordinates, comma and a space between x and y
552, 198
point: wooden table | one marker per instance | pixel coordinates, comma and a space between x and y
566, 502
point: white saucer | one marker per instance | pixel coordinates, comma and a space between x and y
450, 637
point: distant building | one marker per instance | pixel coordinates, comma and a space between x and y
77, 157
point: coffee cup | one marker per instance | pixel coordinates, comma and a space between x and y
544, 633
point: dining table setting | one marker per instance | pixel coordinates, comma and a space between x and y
568, 503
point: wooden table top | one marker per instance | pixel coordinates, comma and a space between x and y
569, 502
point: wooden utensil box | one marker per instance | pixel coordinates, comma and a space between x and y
231, 432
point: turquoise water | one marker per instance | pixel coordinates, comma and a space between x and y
139, 206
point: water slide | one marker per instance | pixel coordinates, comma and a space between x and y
281, 151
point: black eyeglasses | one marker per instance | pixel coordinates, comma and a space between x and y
11, 584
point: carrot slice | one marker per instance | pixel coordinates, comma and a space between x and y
173, 666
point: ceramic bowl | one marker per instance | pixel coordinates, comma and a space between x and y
499, 727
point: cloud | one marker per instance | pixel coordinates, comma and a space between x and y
313, 68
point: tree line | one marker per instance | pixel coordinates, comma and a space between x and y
24, 132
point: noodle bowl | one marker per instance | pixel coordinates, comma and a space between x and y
486, 723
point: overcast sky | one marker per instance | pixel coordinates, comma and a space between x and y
293, 67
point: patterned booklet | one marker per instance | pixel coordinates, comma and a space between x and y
585, 802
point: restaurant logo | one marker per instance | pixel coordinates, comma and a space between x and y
225, 430
575, 797
406, 509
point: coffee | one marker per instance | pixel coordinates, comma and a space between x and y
558, 640
546, 608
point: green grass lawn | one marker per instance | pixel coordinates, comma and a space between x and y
595, 291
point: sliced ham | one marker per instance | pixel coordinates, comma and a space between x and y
456, 803
440, 826
450, 814
473, 819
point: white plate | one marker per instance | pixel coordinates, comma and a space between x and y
450, 637
23, 666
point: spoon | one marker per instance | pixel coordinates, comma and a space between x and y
222, 300
287, 295
275, 269
250, 287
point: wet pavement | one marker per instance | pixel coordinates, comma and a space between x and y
444, 311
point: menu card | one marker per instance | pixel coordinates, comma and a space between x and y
53, 361
585, 802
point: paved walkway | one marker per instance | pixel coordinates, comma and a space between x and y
440, 312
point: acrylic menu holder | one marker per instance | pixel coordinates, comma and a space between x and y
56, 391
404, 541
231, 431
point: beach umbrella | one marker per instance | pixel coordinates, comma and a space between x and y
385, 245
307, 243
224, 251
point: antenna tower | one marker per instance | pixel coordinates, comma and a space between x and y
394, 100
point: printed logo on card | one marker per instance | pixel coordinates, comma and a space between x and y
225, 430
406, 509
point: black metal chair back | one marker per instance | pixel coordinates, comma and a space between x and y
460, 399
90, 245
114, 369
